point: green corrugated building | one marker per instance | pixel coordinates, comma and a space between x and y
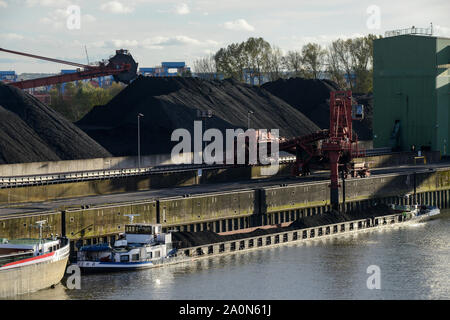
411, 87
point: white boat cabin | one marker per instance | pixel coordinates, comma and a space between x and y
139, 243
34, 246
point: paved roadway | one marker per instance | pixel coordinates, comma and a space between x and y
29, 208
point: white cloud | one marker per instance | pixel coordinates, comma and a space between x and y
178, 41
238, 25
11, 36
56, 18
3, 4
121, 43
47, 3
116, 7
88, 18
158, 42
296, 42
182, 8
441, 31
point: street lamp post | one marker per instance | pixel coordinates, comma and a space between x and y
248, 118
203, 115
139, 138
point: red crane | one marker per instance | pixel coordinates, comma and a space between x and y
338, 144
122, 66
341, 144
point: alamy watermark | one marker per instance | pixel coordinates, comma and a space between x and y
374, 20
74, 280
73, 21
374, 280
238, 147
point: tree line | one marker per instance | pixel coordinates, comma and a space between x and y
78, 99
347, 62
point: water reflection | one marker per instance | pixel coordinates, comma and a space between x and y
414, 261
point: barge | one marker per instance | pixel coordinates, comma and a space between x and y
142, 246
29, 265
136, 249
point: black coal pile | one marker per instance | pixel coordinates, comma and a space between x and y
367, 101
172, 103
311, 97
183, 239
31, 131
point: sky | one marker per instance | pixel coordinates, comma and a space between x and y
171, 30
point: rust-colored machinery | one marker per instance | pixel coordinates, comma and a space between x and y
121, 66
335, 147
341, 144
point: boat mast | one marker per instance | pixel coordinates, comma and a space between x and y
131, 216
40, 226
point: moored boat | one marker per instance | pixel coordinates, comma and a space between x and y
29, 265
141, 246
416, 212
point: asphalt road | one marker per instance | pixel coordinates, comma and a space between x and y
29, 208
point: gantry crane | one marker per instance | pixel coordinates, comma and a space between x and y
121, 66
336, 146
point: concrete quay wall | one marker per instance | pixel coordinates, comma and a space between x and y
49, 192
228, 211
49, 167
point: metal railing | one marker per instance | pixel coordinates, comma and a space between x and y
18, 181
412, 30
378, 152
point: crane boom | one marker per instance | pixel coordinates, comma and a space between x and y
46, 58
121, 66
61, 78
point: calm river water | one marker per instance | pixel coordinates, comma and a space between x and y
414, 263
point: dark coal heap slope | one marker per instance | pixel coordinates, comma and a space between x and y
172, 103
311, 97
31, 131
367, 122
183, 239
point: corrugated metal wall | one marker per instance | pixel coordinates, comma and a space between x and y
405, 89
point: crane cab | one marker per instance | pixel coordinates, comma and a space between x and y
358, 112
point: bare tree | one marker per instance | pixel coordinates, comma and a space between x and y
206, 67
293, 63
313, 59
354, 59
274, 64
257, 51
334, 66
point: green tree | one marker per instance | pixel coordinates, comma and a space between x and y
79, 99
334, 66
230, 61
274, 65
257, 52
251, 56
293, 63
313, 57
354, 58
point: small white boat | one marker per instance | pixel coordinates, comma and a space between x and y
141, 246
416, 212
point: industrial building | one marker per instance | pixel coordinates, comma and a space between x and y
8, 76
104, 81
411, 87
167, 69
